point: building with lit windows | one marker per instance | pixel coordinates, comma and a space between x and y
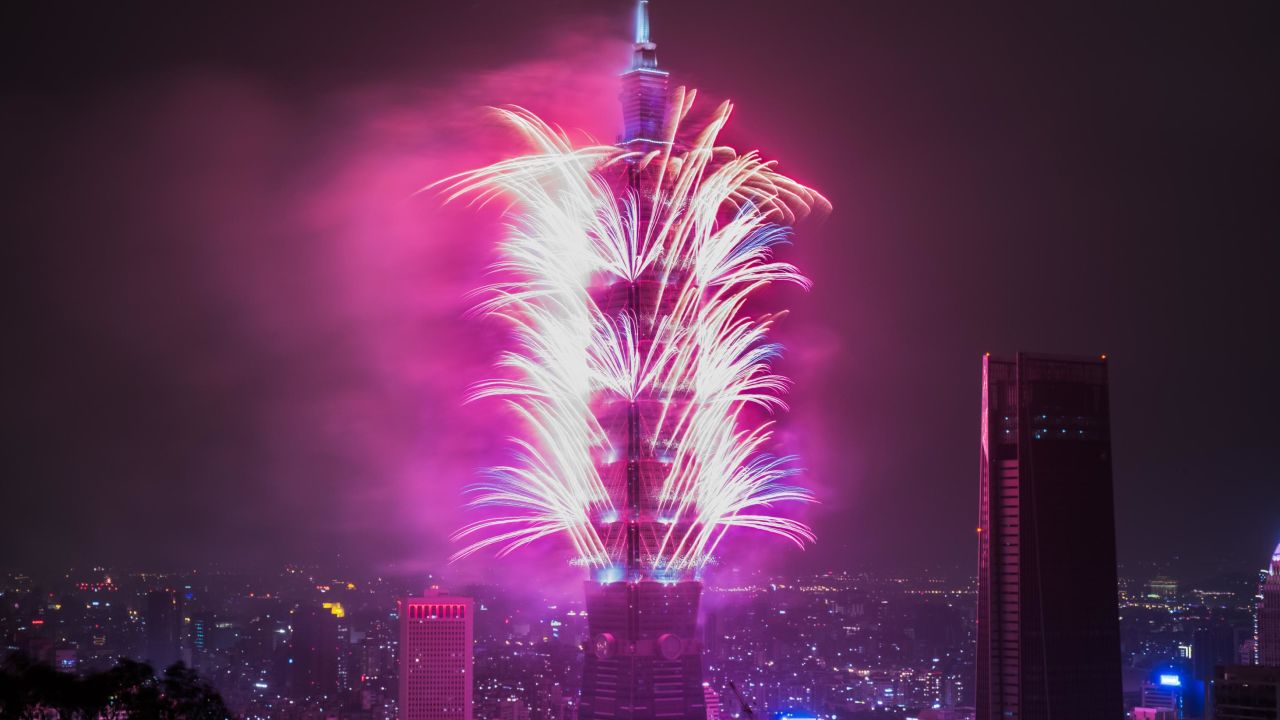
1048, 627
436, 638
644, 661
1164, 691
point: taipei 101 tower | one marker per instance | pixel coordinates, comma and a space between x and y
643, 386
642, 660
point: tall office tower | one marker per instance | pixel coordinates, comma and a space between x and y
315, 647
643, 661
1048, 627
1245, 692
436, 634
162, 629
1268, 615
1210, 647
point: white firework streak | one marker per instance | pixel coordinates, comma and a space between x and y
714, 218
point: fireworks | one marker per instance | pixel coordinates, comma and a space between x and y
623, 276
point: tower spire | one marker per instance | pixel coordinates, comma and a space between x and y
645, 55
644, 87
642, 22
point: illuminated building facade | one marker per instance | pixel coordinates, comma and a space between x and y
316, 650
1165, 690
644, 89
1048, 629
1268, 614
436, 639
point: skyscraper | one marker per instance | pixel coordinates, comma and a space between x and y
626, 273
162, 628
1268, 617
1210, 647
315, 647
643, 660
1048, 627
436, 633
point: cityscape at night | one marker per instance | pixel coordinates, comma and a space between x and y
641, 360
304, 642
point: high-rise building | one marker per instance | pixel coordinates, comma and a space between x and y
1164, 691
162, 629
436, 636
315, 647
1245, 692
1048, 619
1268, 614
512, 709
644, 660
1210, 647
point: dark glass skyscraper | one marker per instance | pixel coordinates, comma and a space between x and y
1048, 626
162, 627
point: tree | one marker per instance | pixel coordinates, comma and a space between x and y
30, 690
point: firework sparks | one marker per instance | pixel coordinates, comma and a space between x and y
623, 277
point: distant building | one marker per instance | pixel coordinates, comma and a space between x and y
1162, 588
1164, 692
1268, 617
436, 636
1048, 628
564, 705
1245, 692
64, 659
314, 650
710, 634
1211, 647
1146, 713
1248, 654
512, 709
162, 629
713, 701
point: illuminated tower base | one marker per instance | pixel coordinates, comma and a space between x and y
643, 661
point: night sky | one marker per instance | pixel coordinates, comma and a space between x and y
234, 334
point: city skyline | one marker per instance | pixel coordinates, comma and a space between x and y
308, 639
465, 362
194, 425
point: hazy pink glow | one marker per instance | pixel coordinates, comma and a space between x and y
315, 338
403, 266
344, 290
